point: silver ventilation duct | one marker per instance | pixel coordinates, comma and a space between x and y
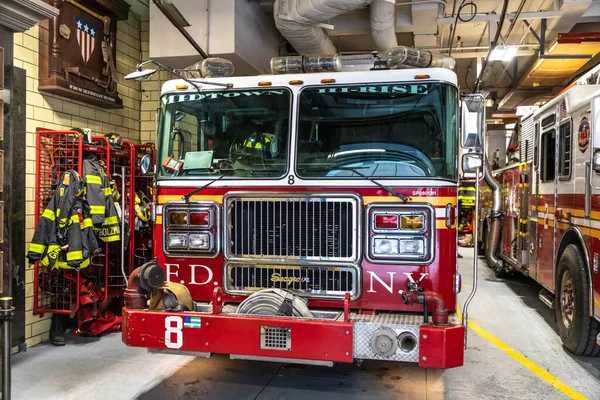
299, 22
383, 28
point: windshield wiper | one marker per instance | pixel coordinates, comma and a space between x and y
186, 197
369, 178
224, 173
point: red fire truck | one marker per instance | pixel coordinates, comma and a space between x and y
543, 217
305, 218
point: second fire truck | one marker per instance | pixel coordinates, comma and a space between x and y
543, 217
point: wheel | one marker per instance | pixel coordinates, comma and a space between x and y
577, 330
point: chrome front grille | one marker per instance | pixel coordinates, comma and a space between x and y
325, 282
320, 227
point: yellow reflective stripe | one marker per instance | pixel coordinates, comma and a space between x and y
111, 220
108, 191
37, 248
112, 238
49, 214
87, 223
93, 179
74, 219
74, 255
57, 212
97, 209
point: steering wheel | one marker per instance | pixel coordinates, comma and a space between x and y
392, 152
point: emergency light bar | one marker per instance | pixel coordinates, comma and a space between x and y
396, 57
209, 68
300, 64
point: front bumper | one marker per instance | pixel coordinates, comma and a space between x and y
292, 340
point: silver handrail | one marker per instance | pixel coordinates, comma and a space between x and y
465, 319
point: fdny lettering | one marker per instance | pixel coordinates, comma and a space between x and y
409, 89
390, 287
216, 95
173, 272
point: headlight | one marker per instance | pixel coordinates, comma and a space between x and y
400, 234
177, 241
191, 229
385, 247
200, 241
412, 247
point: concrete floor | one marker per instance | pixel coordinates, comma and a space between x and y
507, 309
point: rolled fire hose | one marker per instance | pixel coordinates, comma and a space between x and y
274, 302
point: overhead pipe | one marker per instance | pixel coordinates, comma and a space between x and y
493, 46
383, 28
495, 230
298, 21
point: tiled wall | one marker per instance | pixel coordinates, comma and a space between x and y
54, 112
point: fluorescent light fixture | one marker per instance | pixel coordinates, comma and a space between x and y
504, 53
510, 126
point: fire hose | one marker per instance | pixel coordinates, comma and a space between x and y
274, 302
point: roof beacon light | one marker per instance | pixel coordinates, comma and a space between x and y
402, 57
209, 68
213, 67
301, 64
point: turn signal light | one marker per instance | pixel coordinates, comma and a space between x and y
177, 218
386, 221
412, 222
199, 219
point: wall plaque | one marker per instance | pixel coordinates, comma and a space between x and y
78, 51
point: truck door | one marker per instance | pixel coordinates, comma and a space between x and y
548, 151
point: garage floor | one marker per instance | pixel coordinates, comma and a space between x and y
513, 353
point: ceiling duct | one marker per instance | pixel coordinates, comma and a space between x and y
301, 22
383, 30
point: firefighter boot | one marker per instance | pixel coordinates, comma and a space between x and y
58, 328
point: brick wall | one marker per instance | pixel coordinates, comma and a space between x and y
54, 112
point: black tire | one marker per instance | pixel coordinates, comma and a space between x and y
578, 331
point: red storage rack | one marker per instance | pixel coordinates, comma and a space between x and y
56, 291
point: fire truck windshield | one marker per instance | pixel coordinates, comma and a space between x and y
237, 133
403, 130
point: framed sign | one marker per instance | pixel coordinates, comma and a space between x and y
78, 51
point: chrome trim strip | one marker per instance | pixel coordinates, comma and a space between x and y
214, 232
349, 197
312, 294
368, 243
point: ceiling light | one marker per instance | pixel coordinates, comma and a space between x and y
510, 126
503, 53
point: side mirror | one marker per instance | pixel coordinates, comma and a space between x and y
473, 121
470, 163
596, 161
145, 165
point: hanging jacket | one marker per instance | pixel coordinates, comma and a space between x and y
99, 195
64, 237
